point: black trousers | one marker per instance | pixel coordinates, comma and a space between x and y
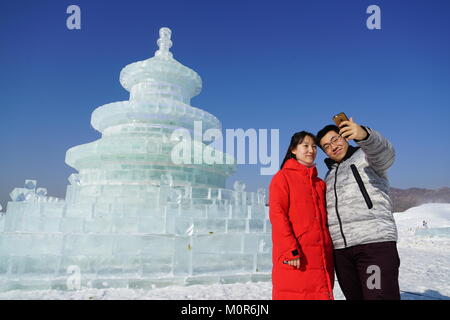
368, 271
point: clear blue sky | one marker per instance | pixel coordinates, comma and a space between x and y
287, 65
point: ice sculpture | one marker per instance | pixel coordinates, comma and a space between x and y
131, 217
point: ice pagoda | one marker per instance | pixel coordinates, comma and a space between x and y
131, 217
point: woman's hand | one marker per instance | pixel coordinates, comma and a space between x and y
294, 263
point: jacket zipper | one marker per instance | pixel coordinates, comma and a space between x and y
361, 186
336, 206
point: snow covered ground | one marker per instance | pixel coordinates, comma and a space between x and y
424, 270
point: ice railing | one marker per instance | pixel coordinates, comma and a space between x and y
166, 191
181, 210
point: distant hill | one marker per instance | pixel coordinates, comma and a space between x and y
404, 199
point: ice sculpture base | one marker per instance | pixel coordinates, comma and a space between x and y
140, 246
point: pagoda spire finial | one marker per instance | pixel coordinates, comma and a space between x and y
164, 43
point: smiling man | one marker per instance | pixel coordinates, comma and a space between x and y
360, 218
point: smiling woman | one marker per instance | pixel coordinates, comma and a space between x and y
306, 151
302, 250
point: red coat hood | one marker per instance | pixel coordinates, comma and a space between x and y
293, 164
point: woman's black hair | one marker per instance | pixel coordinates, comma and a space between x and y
297, 138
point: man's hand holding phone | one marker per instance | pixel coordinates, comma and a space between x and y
350, 130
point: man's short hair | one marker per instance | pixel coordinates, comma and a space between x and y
324, 131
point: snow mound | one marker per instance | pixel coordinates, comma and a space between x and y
436, 215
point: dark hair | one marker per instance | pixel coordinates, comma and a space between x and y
297, 138
324, 131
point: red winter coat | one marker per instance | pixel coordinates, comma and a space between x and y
299, 229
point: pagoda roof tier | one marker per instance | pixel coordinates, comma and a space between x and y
163, 111
162, 67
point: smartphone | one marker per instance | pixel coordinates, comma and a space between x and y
339, 118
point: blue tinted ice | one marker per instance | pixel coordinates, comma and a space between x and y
132, 216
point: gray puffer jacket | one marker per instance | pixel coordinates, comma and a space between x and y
358, 203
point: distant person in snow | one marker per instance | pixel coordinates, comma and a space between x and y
302, 251
424, 224
360, 218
